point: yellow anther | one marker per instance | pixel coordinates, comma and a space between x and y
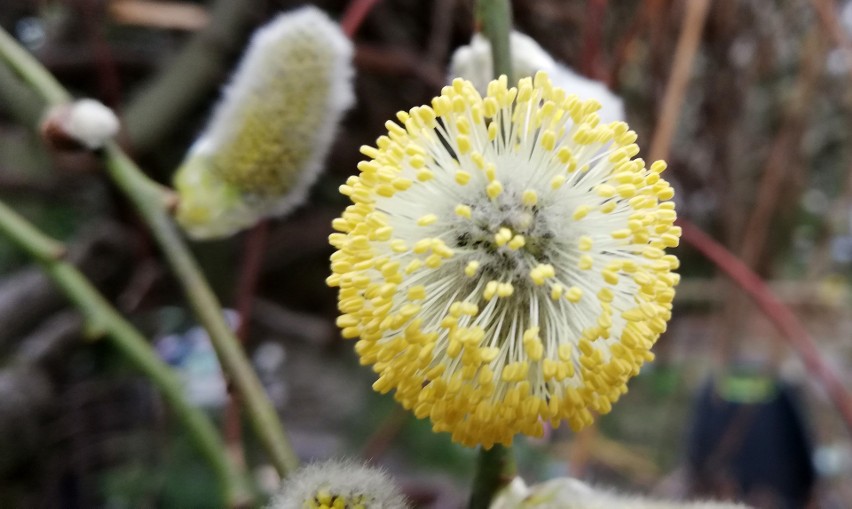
505, 289
502, 236
417, 292
542, 272
548, 140
605, 191
398, 246
413, 265
462, 177
471, 268
529, 198
490, 172
490, 290
557, 181
580, 212
584, 243
556, 291
464, 211
517, 242
574, 294
427, 220
493, 189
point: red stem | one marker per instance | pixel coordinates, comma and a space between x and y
355, 14
780, 315
591, 64
254, 247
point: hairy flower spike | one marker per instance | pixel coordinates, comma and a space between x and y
268, 137
529, 307
339, 485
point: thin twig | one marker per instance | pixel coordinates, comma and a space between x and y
778, 313
687, 46
495, 19
385, 433
830, 19
355, 14
152, 202
495, 468
254, 248
152, 205
102, 318
591, 64
780, 161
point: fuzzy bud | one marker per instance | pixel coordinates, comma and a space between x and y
339, 485
567, 493
84, 123
268, 137
473, 63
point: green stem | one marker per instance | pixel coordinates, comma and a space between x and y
495, 19
103, 318
495, 468
31, 70
151, 201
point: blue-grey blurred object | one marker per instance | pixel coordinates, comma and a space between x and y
193, 356
749, 442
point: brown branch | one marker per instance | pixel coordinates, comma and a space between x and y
687, 46
780, 315
355, 14
782, 158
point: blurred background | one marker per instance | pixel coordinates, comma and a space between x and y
758, 151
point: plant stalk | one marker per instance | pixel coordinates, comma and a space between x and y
152, 203
495, 468
102, 318
495, 19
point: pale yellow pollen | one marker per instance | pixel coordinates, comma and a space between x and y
478, 159
605, 191
584, 243
580, 212
557, 181
490, 172
417, 292
517, 242
556, 291
585, 262
493, 189
427, 220
492, 131
541, 272
398, 246
505, 289
529, 198
462, 177
548, 140
471, 268
502, 236
658, 166
574, 294
490, 290
464, 211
